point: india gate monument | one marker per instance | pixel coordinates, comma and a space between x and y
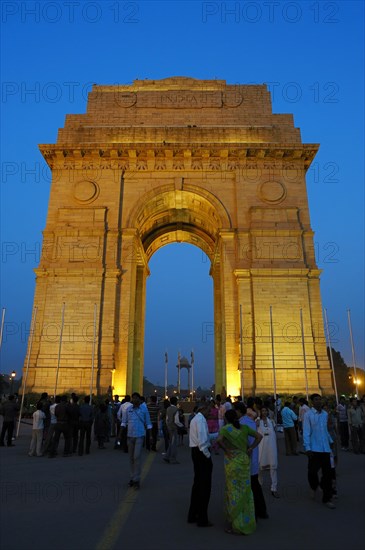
178, 160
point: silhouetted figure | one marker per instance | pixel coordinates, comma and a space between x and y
9, 410
62, 427
85, 423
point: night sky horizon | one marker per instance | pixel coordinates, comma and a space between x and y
310, 56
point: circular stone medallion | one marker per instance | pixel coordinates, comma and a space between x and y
86, 191
272, 192
232, 98
125, 99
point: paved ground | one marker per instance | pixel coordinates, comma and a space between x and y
83, 503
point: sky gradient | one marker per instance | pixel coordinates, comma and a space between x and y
310, 54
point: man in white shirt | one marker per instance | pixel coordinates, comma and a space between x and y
303, 409
37, 431
47, 445
203, 466
343, 424
228, 404
122, 439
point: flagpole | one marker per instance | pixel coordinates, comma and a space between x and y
2, 326
59, 347
353, 352
241, 354
273, 360
93, 356
166, 364
192, 375
304, 357
178, 376
24, 384
331, 356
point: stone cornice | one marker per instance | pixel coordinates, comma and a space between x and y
170, 83
78, 272
157, 157
277, 272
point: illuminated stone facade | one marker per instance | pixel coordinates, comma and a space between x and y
178, 160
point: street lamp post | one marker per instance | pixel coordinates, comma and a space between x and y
166, 364
192, 375
357, 383
179, 374
13, 375
353, 352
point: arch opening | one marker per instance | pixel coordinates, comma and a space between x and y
179, 317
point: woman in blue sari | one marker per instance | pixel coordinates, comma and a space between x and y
239, 504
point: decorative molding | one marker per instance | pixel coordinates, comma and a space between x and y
211, 157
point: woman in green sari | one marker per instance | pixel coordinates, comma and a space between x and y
239, 504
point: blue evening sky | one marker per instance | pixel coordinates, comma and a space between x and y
311, 56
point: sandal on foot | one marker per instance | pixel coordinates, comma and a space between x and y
231, 532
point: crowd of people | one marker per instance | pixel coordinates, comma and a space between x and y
248, 439
246, 433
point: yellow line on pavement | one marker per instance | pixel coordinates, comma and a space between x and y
120, 516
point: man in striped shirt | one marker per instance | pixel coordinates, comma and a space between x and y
153, 410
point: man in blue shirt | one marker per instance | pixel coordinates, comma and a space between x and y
136, 419
289, 417
317, 444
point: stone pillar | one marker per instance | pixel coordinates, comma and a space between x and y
248, 329
217, 331
105, 347
230, 355
123, 377
39, 302
138, 348
319, 340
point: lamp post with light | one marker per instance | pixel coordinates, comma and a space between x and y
357, 383
13, 375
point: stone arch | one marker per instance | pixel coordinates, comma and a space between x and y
187, 160
192, 215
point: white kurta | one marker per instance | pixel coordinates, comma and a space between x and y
268, 452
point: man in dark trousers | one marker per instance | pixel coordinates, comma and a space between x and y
74, 411
203, 467
86, 422
154, 410
9, 410
317, 443
62, 426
